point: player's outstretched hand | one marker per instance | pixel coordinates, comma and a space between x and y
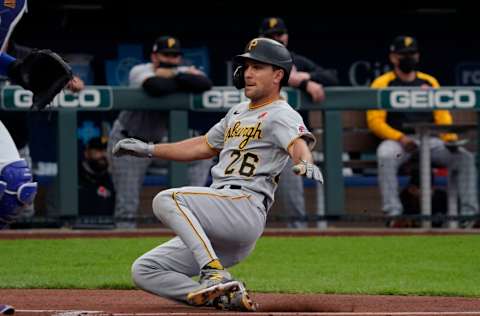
133, 147
308, 170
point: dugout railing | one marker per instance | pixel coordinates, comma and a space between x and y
219, 99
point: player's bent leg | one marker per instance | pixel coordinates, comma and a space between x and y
169, 207
18, 190
167, 270
189, 212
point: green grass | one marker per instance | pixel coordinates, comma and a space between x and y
447, 265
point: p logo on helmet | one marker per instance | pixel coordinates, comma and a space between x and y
171, 42
408, 41
253, 43
272, 22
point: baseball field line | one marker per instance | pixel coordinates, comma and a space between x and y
32, 312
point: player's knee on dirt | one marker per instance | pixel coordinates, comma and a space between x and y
16, 190
139, 271
142, 270
163, 204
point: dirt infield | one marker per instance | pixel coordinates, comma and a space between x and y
59, 302
30, 302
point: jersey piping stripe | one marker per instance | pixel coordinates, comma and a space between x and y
252, 106
209, 145
174, 197
217, 195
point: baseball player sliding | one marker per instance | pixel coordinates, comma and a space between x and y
218, 226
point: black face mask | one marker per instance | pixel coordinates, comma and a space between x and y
98, 165
166, 65
408, 64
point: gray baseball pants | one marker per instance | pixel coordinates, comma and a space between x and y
210, 224
391, 156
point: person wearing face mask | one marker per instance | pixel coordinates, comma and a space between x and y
167, 73
96, 194
398, 146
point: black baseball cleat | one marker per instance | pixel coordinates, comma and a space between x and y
213, 283
237, 300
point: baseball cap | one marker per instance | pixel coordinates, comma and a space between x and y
404, 44
167, 44
272, 25
97, 143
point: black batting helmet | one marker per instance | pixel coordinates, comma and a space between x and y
266, 51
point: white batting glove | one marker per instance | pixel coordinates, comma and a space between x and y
308, 170
133, 147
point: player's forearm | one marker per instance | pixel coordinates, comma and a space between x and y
186, 150
299, 151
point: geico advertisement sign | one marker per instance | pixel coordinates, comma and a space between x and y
447, 99
226, 98
88, 98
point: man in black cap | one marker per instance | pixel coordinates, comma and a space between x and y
398, 146
166, 73
306, 75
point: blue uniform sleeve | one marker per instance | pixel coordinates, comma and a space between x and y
10, 13
5, 61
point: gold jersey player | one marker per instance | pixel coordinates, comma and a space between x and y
218, 226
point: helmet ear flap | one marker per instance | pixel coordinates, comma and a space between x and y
286, 77
238, 77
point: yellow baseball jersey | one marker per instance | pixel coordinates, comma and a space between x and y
387, 125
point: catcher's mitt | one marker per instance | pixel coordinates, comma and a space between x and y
44, 73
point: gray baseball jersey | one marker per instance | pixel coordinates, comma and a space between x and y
225, 220
253, 144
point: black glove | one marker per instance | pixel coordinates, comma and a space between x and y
43, 72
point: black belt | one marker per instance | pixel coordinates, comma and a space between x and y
231, 186
239, 187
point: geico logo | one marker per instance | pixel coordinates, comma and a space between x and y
214, 99
221, 98
433, 99
88, 98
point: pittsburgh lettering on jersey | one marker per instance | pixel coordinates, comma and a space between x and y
247, 132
